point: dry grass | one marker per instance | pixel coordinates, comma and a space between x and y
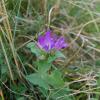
78, 20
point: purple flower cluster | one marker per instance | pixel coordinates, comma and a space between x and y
50, 41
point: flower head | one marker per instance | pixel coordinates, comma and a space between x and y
50, 41
60, 43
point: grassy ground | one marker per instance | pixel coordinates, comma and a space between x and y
20, 23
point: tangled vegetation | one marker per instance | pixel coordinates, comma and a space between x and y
64, 65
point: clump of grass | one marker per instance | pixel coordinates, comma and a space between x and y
22, 21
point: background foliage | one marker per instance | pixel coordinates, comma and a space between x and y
76, 76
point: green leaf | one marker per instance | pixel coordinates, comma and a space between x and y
34, 49
43, 66
57, 54
55, 79
31, 44
44, 91
36, 79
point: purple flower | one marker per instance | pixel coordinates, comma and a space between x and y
60, 43
50, 41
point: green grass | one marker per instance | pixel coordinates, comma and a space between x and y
21, 21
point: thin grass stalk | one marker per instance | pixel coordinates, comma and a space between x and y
9, 34
6, 21
6, 58
1, 94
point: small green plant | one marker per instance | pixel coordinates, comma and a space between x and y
47, 77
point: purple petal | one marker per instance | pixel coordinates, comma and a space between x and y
41, 41
48, 33
50, 41
46, 41
60, 43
